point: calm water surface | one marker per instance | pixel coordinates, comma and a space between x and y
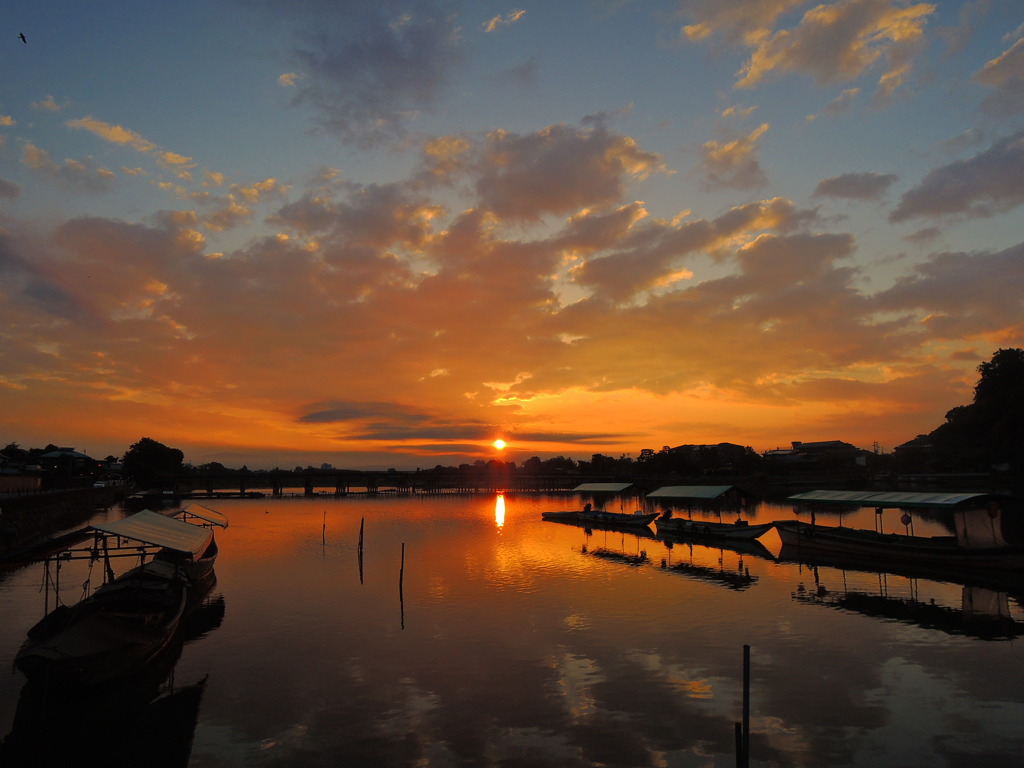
510, 641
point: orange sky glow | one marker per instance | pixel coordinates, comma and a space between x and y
378, 240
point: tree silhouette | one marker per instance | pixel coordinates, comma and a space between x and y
987, 432
151, 463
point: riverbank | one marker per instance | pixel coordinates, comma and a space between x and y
27, 518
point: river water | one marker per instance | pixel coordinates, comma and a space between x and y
472, 633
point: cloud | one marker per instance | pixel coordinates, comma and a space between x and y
499, 21
741, 20
833, 42
964, 295
1005, 75
6, 121
77, 175
115, 134
288, 79
48, 104
860, 186
841, 103
983, 185
840, 41
9, 189
384, 314
341, 411
734, 162
646, 254
558, 169
367, 66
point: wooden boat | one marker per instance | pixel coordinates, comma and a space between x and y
192, 546
111, 634
706, 529
894, 548
597, 517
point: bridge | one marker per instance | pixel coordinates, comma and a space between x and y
344, 482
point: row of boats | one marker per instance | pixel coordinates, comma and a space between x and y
130, 620
976, 546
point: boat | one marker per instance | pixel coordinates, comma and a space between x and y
598, 517
192, 546
706, 529
895, 548
111, 634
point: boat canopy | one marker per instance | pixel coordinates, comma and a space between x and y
160, 531
892, 500
602, 487
690, 492
211, 516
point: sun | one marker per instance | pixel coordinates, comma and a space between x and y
499, 444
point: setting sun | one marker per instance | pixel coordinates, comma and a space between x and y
499, 444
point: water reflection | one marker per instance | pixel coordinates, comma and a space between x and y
499, 511
139, 718
558, 645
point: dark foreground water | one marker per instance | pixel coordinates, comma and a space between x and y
510, 641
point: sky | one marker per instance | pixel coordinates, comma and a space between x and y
386, 233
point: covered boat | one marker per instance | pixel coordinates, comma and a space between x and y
111, 634
192, 546
876, 547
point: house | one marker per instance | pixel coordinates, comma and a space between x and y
825, 454
19, 476
66, 467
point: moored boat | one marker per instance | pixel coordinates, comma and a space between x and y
706, 529
192, 546
636, 519
112, 633
872, 546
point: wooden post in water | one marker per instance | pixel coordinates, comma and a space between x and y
323, 533
360, 550
746, 706
401, 591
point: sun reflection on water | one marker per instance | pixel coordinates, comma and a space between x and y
499, 511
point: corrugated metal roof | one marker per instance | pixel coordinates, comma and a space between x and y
603, 487
891, 499
160, 531
690, 492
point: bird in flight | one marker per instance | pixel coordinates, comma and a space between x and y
22, 36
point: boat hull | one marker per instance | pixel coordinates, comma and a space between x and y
620, 519
700, 529
114, 633
871, 546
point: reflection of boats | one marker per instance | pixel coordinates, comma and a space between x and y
738, 579
116, 631
121, 726
903, 549
983, 613
610, 554
706, 529
598, 517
